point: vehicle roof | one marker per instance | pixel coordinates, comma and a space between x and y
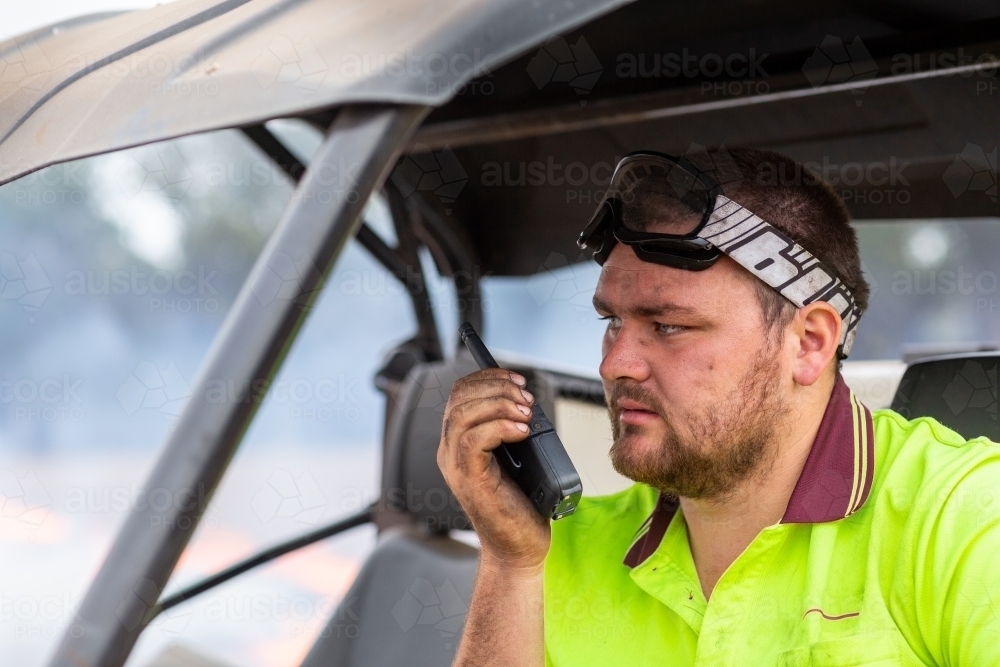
895, 124
111, 81
553, 84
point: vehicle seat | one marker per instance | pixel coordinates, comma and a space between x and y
960, 391
408, 604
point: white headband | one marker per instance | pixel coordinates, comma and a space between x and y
780, 262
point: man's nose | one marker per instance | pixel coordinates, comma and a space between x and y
625, 356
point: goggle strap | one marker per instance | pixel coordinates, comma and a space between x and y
769, 254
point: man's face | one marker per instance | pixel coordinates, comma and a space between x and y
692, 374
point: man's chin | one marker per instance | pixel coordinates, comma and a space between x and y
634, 454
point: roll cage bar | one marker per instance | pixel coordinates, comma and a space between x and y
259, 330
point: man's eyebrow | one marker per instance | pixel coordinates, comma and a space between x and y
600, 304
651, 310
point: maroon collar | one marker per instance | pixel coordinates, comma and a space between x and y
834, 483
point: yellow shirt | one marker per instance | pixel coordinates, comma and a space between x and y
888, 554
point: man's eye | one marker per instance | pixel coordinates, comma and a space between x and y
668, 329
612, 320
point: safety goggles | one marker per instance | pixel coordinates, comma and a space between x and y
672, 211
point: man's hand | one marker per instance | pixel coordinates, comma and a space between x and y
486, 409
504, 626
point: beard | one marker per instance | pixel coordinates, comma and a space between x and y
726, 443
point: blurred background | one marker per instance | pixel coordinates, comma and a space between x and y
117, 272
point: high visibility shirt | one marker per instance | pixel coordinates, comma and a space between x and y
888, 554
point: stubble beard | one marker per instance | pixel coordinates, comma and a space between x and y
728, 442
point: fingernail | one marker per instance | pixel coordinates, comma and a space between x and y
522, 427
518, 379
524, 409
527, 395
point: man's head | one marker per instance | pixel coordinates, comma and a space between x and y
703, 369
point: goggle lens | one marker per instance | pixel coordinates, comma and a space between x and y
659, 197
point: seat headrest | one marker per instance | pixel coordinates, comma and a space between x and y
411, 480
960, 391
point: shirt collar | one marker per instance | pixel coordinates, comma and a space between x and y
834, 483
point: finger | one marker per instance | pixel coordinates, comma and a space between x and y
481, 410
496, 373
468, 389
473, 453
487, 374
460, 418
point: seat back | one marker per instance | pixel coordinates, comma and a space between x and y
412, 483
407, 606
960, 391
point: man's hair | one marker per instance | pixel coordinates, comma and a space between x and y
785, 194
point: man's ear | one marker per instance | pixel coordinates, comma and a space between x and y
816, 333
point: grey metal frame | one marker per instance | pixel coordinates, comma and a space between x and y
402, 261
258, 331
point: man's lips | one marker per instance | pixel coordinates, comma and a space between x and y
633, 412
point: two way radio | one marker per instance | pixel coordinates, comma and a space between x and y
538, 464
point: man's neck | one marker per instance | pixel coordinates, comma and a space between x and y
719, 530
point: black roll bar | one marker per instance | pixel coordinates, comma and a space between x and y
258, 331
402, 261
460, 257
427, 338
266, 556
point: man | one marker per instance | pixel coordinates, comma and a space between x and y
775, 520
